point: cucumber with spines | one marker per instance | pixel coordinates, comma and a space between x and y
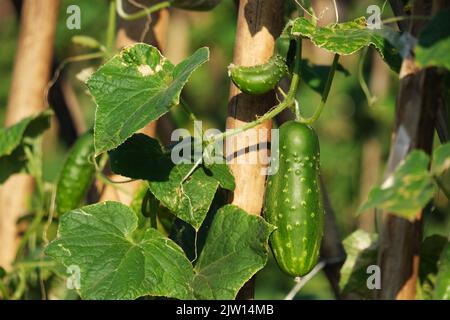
293, 200
76, 175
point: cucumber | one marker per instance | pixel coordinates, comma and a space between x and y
293, 200
76, 175
259, 79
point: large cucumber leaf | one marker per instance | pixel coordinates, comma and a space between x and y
349, 37
117, 262
187, 191
136, 86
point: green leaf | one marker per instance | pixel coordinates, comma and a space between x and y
188, 197
99, 240
14, 140
190, 240
141, 157
406, 191
235, 249
116, 262
347, 38
434, 42
361, 248
14, 163
315, 76
442, 287
222, 173
32, 126
430, 251
136, 86
441, 159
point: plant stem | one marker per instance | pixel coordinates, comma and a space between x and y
34, 264
402, 18
325, 93
362, 82
114, 184
21, 286
143, 12
192, 116
4, 294
35, 168
301, 282
81, 57
287, 102
298, 114
33, 226
111, 31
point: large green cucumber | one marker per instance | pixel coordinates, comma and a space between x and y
293, 200
76, 175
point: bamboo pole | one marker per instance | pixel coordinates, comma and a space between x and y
30, 77
416, 105
259, 24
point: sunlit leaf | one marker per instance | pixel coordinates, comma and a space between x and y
136, 86
99, 241
347, 38
361, 248
441, 159
406, 191
112, 260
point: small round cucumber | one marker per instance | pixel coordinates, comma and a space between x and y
259, 79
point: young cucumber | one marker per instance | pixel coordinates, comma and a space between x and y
197, 5
76, 175
259, 79
293, 201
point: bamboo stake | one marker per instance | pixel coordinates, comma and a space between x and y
259, 23
30, 77
400, 239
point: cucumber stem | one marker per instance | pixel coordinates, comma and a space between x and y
111, 31
325, 93
362, 82
21, 287
287, 102
4, 294
142, 13
192, 116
